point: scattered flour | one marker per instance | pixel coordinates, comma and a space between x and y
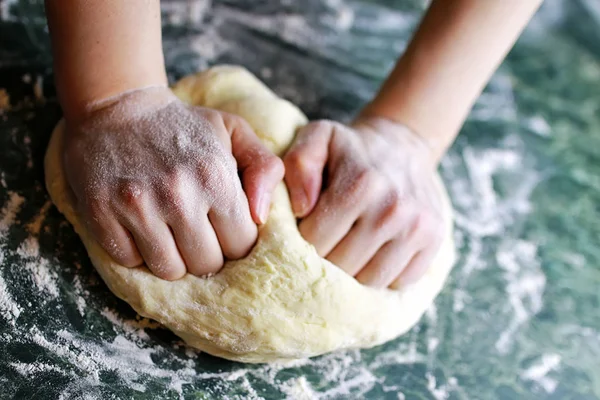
298, 389
43, 277
525, 286
9, 212
35, 368
538, 372
40, 270
441, 392
80, 295
9, 309
5, 6
482, 214
133, 328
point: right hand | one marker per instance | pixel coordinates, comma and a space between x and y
156, 180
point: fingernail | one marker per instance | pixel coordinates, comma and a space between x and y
263, 208
300, 200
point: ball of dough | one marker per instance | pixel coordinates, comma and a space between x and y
282, 301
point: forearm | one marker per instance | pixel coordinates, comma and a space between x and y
104, 48
457, 47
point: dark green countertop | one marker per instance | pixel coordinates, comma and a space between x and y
519, 317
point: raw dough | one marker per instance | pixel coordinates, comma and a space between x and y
281, 302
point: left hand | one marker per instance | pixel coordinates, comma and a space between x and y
367, 198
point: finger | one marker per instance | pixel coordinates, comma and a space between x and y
260, 169
415, 270
358, 247
236, 232
198, 245
155, 242
114, 238
388, 263
336, 211
304, 165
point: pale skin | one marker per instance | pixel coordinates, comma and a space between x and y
149, 198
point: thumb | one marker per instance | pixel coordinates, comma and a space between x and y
260, 169
304, 164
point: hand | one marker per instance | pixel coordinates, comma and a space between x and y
156, 178
379, 214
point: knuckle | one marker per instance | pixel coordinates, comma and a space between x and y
165, 271
294, 158
392, 211
273, 164
242, 247
361, 181
130, 193
429, 225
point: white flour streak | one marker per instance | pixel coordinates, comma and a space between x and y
35, 368
439, 393
121, 355
80, 293
30, 248
39, 268
525, 286
298, 389
43, 277
538, 372
133, 328
5, 6
406, 354
9, 212
9, 309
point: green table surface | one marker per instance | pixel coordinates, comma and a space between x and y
519, 317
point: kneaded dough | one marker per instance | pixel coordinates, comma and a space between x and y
282, 301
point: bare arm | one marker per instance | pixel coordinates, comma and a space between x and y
457, 47
379, 217
144, 195
104, 48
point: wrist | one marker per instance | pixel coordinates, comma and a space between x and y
396, 134
79, 99
126, 106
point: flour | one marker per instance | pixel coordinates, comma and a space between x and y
539, 371
298, 389
5, 6
9, 309
80, 294
9, 212
525, 286
41, 272
133, 328
441, 392
32, 369
482, 214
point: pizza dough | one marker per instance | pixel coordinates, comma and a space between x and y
281, 302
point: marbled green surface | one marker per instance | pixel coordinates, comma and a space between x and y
519, 317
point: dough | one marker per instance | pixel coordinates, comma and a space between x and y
281, 302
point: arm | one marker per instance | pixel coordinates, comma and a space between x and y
380, 216
104, 48
155, 179
457, 47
